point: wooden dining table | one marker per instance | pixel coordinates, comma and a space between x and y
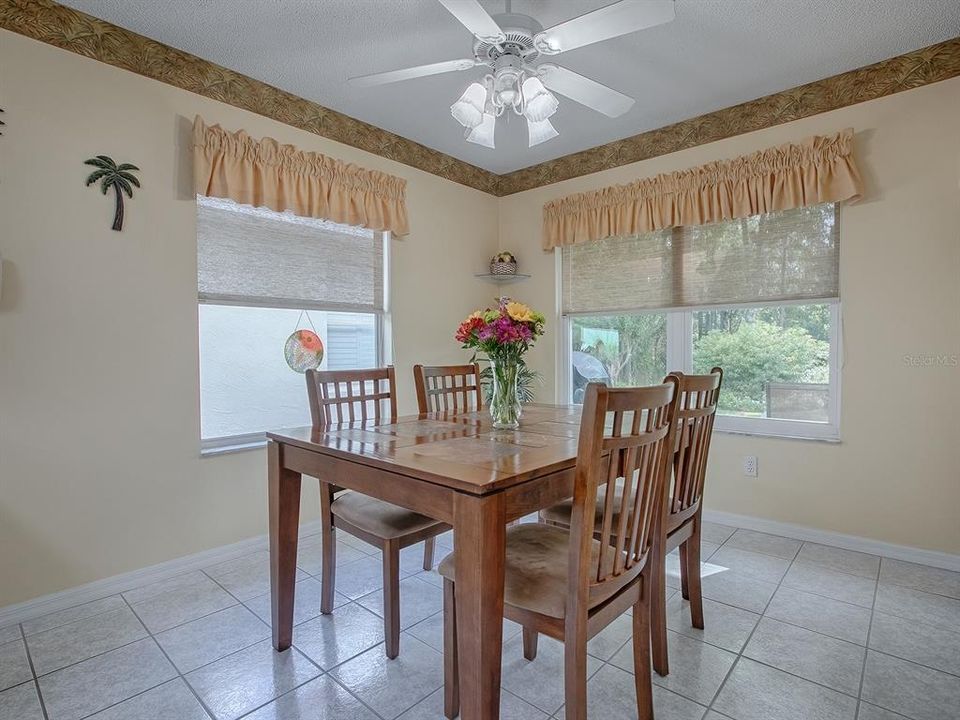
455, 468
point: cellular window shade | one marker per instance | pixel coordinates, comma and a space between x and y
785, 256
257, 256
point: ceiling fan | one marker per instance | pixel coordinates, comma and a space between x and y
510, 45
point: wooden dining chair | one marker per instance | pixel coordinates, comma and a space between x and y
683, 511
348, 396
566, 583
696, 409
448, 388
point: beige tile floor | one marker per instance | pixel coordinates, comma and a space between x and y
794, 631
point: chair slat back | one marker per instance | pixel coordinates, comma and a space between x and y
448, 388
626, 436
696, 411
346, 396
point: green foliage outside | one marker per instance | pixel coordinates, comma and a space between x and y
633, 348
758, 351
754, 346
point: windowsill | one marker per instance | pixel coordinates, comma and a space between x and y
229, 448
833, 440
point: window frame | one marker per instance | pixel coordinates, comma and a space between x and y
383, 339
679, 355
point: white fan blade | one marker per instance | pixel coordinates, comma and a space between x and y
475, 19
413, 72
584, 90
620, 18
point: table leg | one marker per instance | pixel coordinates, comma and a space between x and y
284, 504
479, 537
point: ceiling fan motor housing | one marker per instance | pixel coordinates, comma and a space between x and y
519, 30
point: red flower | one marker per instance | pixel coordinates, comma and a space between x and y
467, 328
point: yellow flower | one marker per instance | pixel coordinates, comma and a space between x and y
520, 312
475, 314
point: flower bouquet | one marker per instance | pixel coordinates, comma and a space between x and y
503, 334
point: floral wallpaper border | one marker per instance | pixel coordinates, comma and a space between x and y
904, 72
91, 37
85, 35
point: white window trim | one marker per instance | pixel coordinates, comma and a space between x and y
679, 355
232, 443
210, 447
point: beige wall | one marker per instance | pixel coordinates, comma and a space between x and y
99, 420
99, 423
895, 476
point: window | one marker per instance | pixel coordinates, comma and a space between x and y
759, 297
262, 275
619, 350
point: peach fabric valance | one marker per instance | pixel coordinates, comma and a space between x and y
264, 173
817, 170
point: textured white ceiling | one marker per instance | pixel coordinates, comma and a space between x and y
715, 54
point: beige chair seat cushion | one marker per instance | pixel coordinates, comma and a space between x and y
380, 518
535, 576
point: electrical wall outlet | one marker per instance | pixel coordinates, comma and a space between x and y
750, 465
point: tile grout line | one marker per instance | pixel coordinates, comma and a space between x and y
736, 661
815, 682
330, 674
285, 693
359, 700
186, 682
760, 615
33, 672
70, 622
92, 657
780, 584
215, 582
910, 662
797, 557
128, 604
131, 642
347, 660
785, 622
172, 664
146, 629
180, 674
135, 695
866, 649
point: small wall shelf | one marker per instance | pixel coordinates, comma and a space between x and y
502, 279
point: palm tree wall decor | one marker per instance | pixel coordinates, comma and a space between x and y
113, 176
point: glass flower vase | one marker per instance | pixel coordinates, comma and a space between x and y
505, 405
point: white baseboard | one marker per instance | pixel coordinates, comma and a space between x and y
127, 581
45, 604
933, 558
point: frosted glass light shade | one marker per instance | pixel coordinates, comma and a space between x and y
539, 103
468, 110
482, 134
541, 131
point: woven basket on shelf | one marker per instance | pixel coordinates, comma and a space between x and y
503, 268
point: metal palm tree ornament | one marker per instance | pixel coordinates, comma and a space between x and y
113, 176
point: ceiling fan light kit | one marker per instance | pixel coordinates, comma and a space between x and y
510, 44
539, 102
468, 110
539, 131
483, 133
